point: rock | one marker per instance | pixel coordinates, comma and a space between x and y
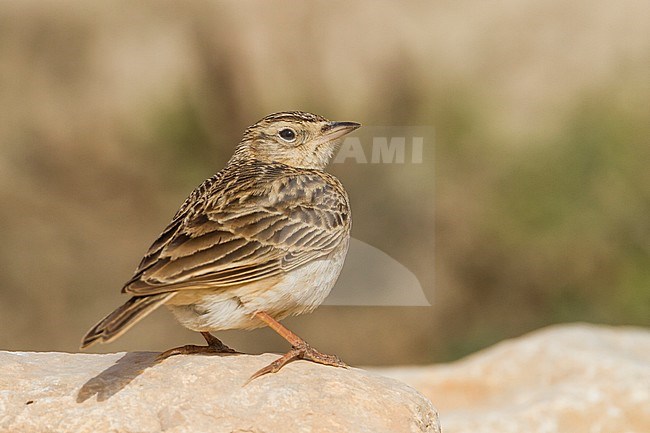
130, 392
570, 378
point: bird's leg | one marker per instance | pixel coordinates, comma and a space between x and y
214, 346
299, 349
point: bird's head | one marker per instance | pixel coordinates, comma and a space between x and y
294, 138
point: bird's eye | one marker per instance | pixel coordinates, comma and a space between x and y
287, 134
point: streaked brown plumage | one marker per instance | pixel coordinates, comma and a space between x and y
263, 239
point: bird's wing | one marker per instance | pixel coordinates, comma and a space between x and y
243, 227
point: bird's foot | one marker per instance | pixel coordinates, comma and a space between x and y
301, 351
214, 346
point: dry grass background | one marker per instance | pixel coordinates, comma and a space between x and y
111, 112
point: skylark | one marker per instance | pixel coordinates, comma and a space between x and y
263, 239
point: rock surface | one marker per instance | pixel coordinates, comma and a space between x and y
130, 392
570, 378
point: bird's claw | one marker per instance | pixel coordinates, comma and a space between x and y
303, 351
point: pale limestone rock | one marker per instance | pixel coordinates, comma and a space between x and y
569, 379
59, 392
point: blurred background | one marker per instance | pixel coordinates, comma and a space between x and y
531, 206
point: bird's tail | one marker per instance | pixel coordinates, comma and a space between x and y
123, 318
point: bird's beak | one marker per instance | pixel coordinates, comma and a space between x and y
333, 130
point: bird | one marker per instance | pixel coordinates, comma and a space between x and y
263, 239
